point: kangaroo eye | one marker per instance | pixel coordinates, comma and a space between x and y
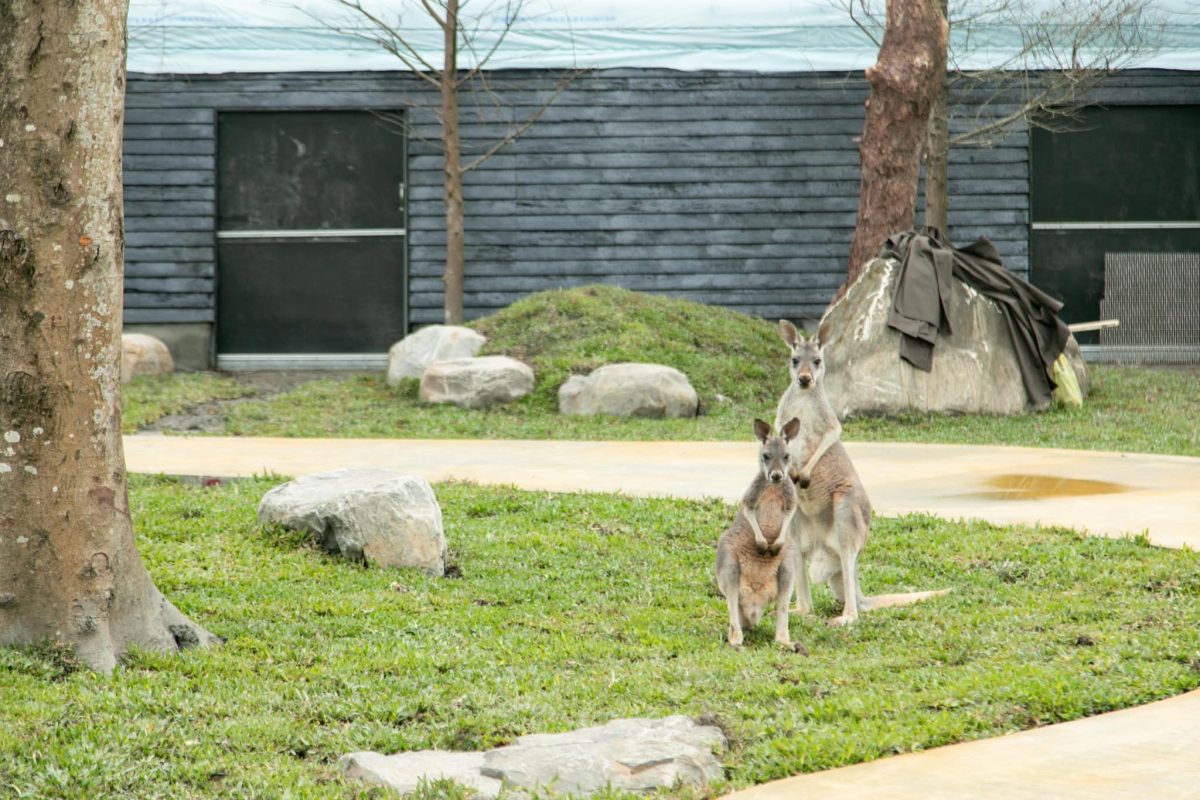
795, 361
766, 457
816, 362
786, 458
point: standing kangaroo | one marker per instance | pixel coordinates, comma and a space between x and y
755, 556
833, 511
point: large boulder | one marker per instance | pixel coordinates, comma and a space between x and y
974, 368
476, 382
142, 354
384, 517
409, 357
629, 390
631, 755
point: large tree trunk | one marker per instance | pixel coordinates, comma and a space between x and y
912, 59
937, 154
69, 569
455, 233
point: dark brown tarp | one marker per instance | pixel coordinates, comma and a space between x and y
919, 307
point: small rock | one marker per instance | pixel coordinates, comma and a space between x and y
629, 390
409, 357
476, 382
403, 772
142, 354
384, 517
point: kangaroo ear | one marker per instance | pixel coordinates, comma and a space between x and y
762, 430
789, 333
791, 429
823, 333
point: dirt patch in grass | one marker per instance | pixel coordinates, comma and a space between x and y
209, 416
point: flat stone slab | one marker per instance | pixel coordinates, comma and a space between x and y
476, 382
381, 516
634, 755
409, 357
404, 772
629, 390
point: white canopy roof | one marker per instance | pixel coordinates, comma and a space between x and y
215, 36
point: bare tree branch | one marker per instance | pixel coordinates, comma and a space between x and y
871, 27
512, 10
1067, 50
429, 9
515, 133
389, 39
457, 35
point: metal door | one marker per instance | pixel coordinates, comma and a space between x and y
1126, 179
310, 239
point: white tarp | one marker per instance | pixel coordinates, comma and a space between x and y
215, 36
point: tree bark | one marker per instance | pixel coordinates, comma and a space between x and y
912, 59
69, 569
937, 154
455, 229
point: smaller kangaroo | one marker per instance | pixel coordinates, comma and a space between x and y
755, 556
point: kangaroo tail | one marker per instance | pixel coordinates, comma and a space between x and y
899, 599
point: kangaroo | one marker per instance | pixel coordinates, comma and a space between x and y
755, 560
833, 514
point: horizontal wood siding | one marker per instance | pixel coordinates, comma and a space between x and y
729, 188
738, 190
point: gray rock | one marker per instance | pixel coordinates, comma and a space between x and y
476, 382
409, 357
142, 354
629, 390
974, 368
384, 517
403, 772
637, 755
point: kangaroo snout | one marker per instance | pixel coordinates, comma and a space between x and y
805, 381
776, 476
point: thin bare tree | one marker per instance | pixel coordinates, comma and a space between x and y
70, 572
460, 32
904, 81
1063, 51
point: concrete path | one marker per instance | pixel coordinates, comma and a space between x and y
1108, 494
1147, 752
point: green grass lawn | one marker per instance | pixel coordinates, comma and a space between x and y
570, 610
1131, 409
1134, 409
736, 363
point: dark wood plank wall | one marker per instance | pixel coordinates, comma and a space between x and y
730, 188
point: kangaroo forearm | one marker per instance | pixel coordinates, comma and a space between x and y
786, 526
752, 518
826, 442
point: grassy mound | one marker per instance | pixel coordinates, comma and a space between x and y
577, 330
